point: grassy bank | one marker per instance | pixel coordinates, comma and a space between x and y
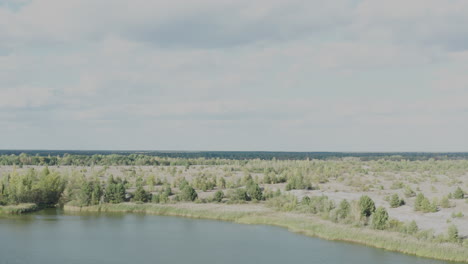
18, 209
298, 223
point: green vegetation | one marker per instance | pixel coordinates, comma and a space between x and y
293, 186
395, 201
380, 219
458, 193
422, 204
366, 205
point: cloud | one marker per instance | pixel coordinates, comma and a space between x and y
292, 75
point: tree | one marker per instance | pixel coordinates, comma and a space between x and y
380, 219
366, 205
218, 196
254, 191
141, 195
188, 193
458, 193
343, 209
395, 201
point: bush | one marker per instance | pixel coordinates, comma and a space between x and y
445, 202
343, 209
395, 201
412, 228
141, 195
218, 196
422, 204
458, 193
254, 191
409, 192
188, 193
366, 205
380, 219
239, 194
452, 234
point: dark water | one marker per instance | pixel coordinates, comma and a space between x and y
53, 237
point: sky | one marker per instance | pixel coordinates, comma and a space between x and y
271, 75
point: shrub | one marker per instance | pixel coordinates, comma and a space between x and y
188, 193
305, 200
254, 191
239, 194
458, 193
445, 202
218, 196
366, 205
395, 201
141, 195
452, 234
409, 192
380, 219
422, 204
343, 209
412, 228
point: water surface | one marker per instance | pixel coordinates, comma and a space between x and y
53, 237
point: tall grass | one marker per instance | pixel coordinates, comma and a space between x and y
300, 223
18, 209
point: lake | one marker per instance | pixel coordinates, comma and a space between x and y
51, 237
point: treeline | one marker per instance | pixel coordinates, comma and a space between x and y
105, 160
248, 155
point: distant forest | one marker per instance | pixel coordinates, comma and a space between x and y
184, 158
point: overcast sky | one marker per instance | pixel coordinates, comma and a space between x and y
289, 75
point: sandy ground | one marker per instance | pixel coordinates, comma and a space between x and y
351, 188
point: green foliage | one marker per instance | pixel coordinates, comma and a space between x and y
366, 205
218, 196
412, 228
305, 200
344, 209
188, 193
457, 215
380, 218
254, 191
423, 204
452, 234
458, 193
115, 190
239, 195
409, 192
141, 195
43, 189
395, 201
445, 202
284, 202
90, 193
297, 182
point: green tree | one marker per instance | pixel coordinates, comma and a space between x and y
380, 218
395, 201
343, 209
366, 205
141, 195
188, 193
218, 196
458, 193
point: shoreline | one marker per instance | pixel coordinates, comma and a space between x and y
294, 222
19, 209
